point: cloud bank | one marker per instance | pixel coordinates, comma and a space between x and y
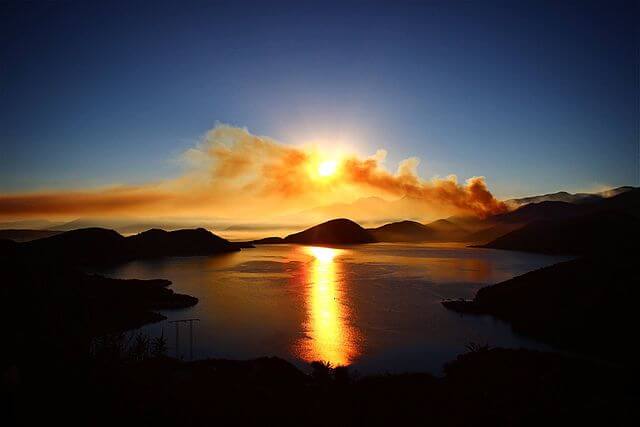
233, 173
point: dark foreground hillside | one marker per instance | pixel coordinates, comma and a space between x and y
587, 305
51, 309
484, 387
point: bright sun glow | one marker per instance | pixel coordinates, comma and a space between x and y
327, 168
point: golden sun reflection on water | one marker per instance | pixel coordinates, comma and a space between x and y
330, 336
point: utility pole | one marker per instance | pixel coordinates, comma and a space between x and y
191, 339
177, 325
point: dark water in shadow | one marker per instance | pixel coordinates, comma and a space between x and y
376, 307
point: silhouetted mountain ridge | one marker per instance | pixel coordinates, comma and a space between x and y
448, 231
412, 231
26, 235
337, 231
268, 241
613, 224
158, 243
550, 225
103, 246
535, 211
598, 232
402, 231
563, 196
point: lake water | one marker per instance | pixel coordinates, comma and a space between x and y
375, 307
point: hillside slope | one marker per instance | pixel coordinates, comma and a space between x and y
337, 231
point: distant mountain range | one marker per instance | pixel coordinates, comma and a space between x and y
26, 235
30, 224
577, 229
548, 226
535, 225
345, 231
368, 211
544, 218
129, 226
563, 196
471, 229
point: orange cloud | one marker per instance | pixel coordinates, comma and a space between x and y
473, 197
63, 203
234, 173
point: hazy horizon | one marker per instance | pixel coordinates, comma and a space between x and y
236, 230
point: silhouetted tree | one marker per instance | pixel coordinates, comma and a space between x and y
140, 349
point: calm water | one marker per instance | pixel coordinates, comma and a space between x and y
376, 307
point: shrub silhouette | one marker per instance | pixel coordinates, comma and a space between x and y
474, 347
159, 346
321, 371
122, 348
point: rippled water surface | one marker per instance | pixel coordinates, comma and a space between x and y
376, 307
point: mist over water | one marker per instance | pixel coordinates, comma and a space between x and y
375, 307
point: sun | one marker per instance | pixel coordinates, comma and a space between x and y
327, 168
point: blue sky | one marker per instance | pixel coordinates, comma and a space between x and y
536, 96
